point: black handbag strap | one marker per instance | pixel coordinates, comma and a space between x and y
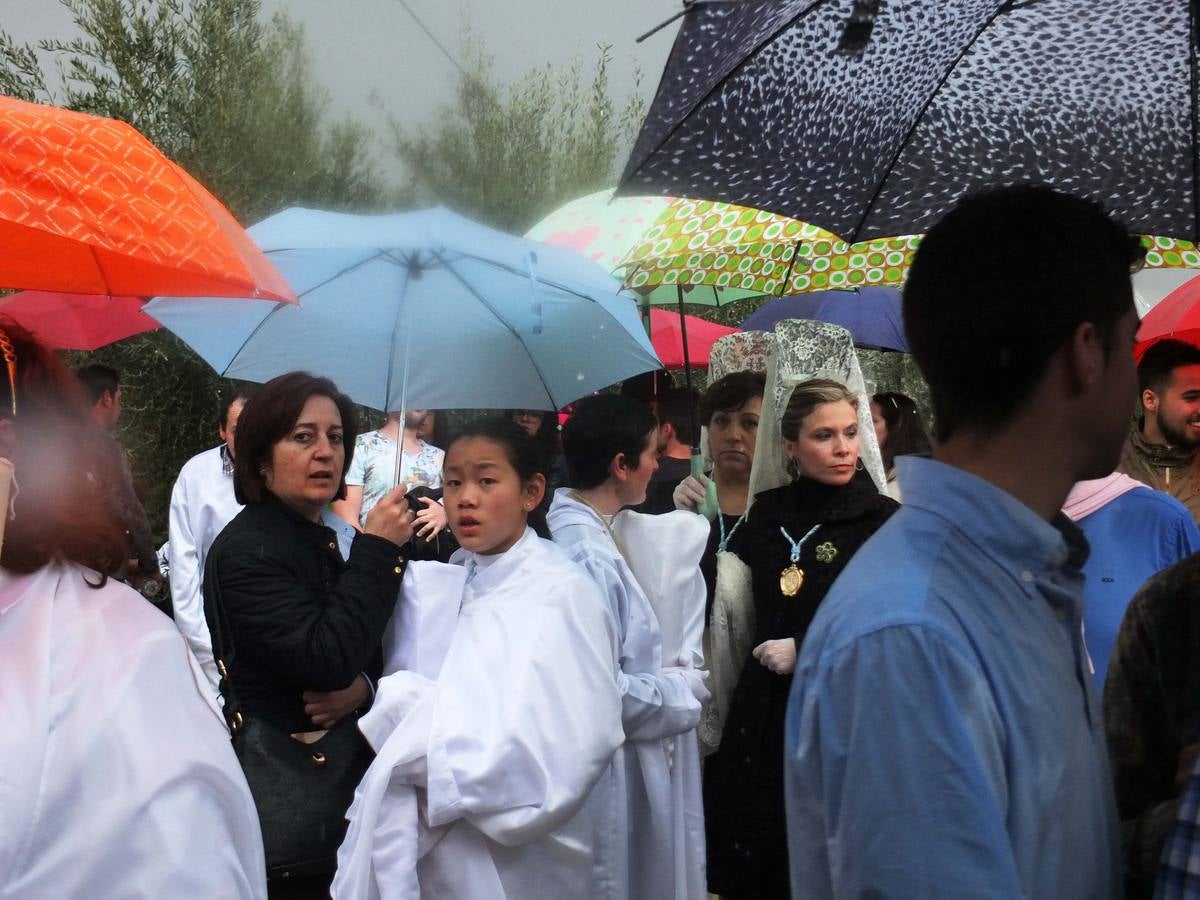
220, 633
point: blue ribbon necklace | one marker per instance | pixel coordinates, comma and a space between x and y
791, 579
726, 538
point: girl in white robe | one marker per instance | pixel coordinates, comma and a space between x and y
485, 761
637, 854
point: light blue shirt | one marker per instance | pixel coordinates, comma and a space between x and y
944, 738
1134, 536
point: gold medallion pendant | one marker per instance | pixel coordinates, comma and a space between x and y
791, 580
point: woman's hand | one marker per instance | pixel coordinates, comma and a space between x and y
430, 520
391, 519
778, 656
690, 493
327, 708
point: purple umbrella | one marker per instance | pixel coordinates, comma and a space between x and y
870, 314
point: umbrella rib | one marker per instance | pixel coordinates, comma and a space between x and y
852, 238
280, 304
478, 296
100, 269
631, 167
565, 288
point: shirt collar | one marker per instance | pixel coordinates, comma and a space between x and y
494, 563
1001, 526
226, 460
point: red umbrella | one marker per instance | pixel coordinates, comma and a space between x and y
666, 336
77, 321
1176, 316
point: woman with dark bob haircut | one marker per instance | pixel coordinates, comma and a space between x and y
899, 431
118, 779
297, 628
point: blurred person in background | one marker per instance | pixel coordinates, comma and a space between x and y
103, 387
119, 779
373, 473
202, 503
1161, 450
899, 431
677, 419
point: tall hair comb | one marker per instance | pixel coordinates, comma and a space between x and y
10, 362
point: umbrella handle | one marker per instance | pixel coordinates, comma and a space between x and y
710, 508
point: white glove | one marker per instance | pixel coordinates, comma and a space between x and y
694, 679
690, 493
778, 656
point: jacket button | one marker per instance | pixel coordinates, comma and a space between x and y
398, 570
332, 545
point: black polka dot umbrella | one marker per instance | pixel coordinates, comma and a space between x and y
870, 118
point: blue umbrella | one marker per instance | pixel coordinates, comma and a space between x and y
423, 309
870, 314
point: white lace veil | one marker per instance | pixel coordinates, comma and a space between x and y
802, 350
742, 351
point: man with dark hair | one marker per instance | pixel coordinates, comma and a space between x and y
202, 504
676, 410
609, 445
944, 737
103, 387
1161, 449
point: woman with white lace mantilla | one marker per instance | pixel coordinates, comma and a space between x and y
795, 541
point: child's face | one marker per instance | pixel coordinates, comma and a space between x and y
486, 502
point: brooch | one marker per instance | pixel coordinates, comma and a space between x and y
826, 552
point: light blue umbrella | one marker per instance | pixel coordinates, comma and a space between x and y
423, 309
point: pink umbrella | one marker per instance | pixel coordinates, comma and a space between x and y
666, 336
77, 321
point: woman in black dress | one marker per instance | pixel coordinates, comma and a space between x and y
796, 540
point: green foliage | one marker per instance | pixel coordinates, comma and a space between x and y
233, 101
508, 155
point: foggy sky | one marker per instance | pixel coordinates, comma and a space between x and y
360, 46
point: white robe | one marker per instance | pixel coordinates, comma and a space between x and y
633, 807
202, 504
119, 779
482, 773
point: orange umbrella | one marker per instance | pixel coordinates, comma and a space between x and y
89, 206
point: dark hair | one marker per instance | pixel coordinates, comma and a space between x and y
439, 434
269, 416
602, 427
1160, 361
646, 386
906, 432
230, 397
677, 407
98, 380
731, 393
66, 467
806, 397
521, 451
546, 437
999, 284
